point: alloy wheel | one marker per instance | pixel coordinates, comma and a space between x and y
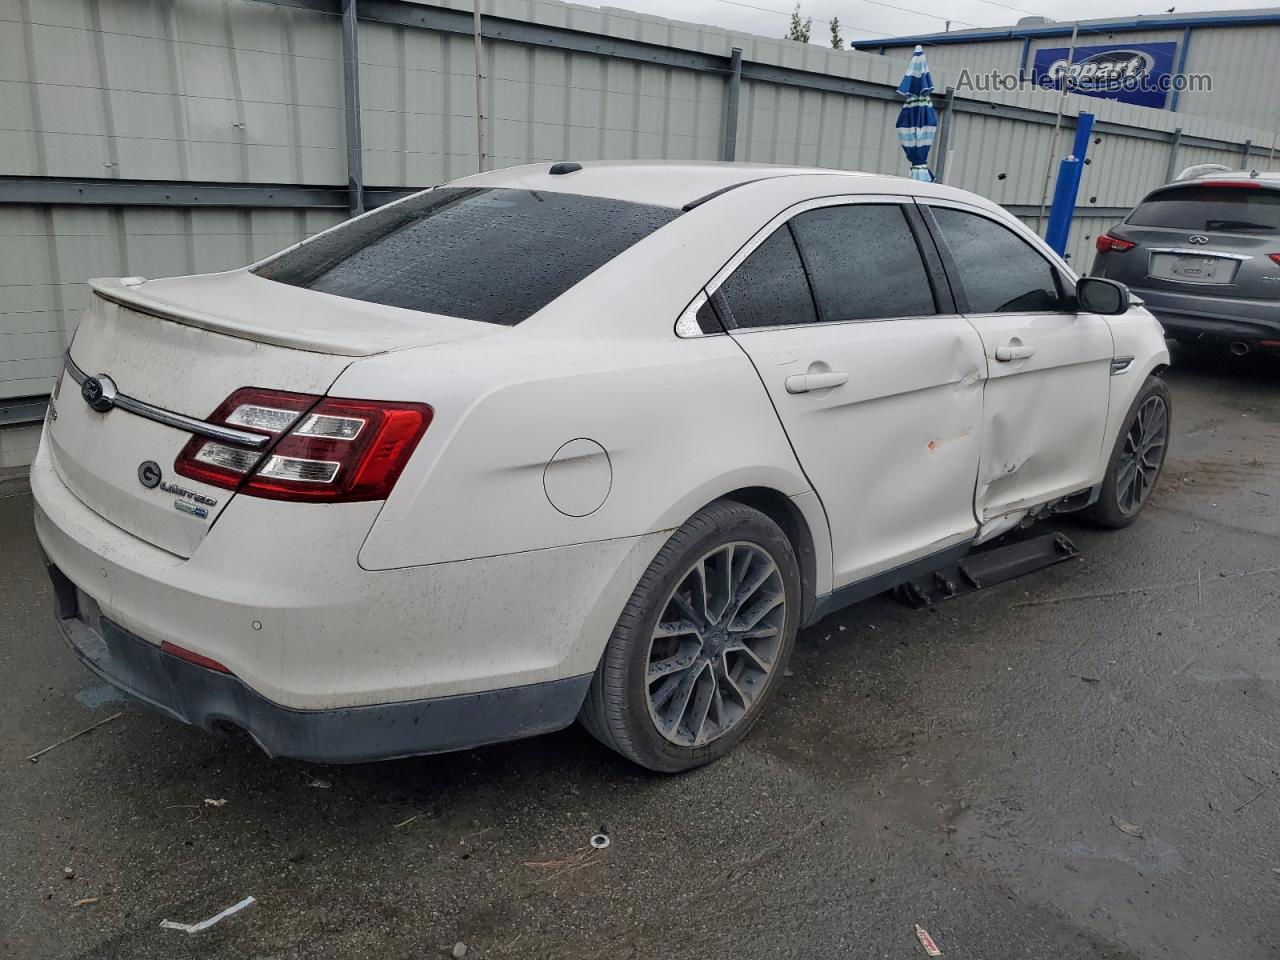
716, 643
1143, 453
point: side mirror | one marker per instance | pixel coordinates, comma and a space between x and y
1100, 295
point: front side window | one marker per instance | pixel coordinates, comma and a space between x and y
1211, 208
863, 262
769, 288
998, 270
489, 254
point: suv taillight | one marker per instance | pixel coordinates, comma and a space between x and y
325, 449
1106, 243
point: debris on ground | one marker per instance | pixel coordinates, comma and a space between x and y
459, 950
926, 941
205, 924
320, 784
85, 901
35, 757
210, 802
405, 823
1132, 829
581, 858
600, 841
68, 873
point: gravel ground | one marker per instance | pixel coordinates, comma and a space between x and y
1081, 763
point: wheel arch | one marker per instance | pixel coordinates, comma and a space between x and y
783, 511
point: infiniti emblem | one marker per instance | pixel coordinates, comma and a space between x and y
1197, 238
99, 392
149, 474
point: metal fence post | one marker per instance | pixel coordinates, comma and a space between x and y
731, 104
1181, 69
351, 89
1053, 143
1171, 170
944, 133
1244, 153
482, 139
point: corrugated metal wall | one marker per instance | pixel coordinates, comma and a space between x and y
245, 91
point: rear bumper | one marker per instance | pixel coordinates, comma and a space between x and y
274, 593
1196, 317
208, 699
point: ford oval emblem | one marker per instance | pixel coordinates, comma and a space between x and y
99, 392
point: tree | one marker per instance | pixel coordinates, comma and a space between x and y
837, 41
799, 27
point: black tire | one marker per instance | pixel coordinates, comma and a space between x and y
1110, 511
617, 710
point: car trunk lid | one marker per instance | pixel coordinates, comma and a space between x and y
185, 348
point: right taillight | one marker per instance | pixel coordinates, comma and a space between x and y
326, 449
1275, 257
1106, 243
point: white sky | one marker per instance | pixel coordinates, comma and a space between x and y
868, 19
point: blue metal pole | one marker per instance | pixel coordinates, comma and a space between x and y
1068, 185
1084, 131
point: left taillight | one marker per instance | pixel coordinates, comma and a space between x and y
1106, 243
326, 449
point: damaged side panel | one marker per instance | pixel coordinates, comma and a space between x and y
1045, 414
893, 448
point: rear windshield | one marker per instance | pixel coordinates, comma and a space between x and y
1245, 209
486, 254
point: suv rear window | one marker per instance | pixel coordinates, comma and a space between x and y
488, 254
1245, 209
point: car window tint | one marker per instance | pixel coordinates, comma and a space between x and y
999, 271
769, 288
863, 262
495, 255
1239, 209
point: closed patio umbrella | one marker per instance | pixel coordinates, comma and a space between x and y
917, 121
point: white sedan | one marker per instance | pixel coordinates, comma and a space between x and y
570, 441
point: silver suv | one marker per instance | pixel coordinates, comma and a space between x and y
1204, 254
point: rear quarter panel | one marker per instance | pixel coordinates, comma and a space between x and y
682, 422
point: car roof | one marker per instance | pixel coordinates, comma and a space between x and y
674, 183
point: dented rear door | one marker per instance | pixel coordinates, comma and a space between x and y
1048, 365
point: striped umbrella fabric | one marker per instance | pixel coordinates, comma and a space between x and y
917, 121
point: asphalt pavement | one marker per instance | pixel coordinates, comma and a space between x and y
1084, 762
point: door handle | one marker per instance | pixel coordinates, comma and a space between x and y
1015, 349
804, 382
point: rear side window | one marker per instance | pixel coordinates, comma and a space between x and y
863, 262
998, 270
495, 255
1206, 208
769, 288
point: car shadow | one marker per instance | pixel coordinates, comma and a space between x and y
1217, 363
